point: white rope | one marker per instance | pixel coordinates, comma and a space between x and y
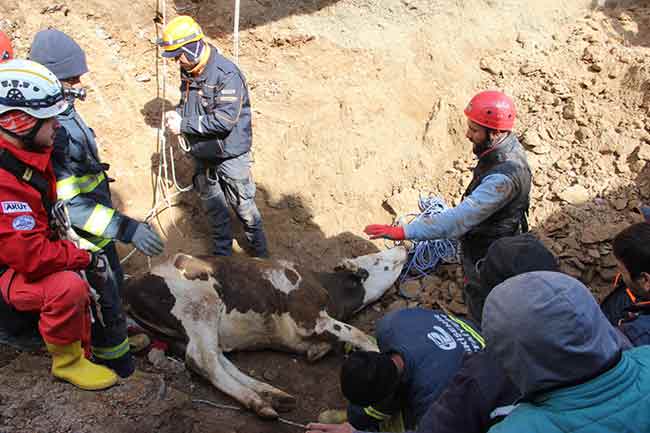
163, 181
235, 32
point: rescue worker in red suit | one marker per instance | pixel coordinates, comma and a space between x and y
39, 271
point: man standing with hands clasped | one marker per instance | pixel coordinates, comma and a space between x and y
214, 117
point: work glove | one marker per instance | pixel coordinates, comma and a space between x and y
147, 241
376, 231
173, 122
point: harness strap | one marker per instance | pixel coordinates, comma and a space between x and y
26, 174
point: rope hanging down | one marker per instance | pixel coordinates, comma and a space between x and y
161, 180
424, 257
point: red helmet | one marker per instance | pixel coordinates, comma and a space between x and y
492, 109
6, 51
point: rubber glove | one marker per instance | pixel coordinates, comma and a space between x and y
376, 231
173, 122
147, 241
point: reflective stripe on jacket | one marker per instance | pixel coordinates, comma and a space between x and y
215, 110
83, 184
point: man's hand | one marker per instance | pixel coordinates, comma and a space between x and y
147, 241
375, 231
173, 122
330, 428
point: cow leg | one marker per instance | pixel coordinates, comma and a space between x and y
207, 363
280, 400
345, 333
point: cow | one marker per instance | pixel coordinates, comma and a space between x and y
213, 305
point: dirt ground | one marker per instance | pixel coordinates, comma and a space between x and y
357, 110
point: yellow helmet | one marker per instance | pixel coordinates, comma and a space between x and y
178, 32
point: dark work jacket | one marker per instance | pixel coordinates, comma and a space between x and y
509, 159
215, 110
432, 345
632, 317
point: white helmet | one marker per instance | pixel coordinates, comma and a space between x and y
30, 87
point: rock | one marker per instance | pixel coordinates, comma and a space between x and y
455, 291
490, 65
101, 33
622, 167
143, 78
431, 283
644, 152
403, 202
570, 270
595, 68
619, 204
457, 308
169, 365
592, 252
624, 146
575, 194
396, 305
410, 289
529, 69
561, 90
569, 111
534, 141
582, 134
595, 231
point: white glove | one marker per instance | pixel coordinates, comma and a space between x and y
173, 122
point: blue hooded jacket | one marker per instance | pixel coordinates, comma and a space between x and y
554, 342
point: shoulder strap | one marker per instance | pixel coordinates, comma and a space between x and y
26, 174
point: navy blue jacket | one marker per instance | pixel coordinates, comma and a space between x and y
215, 110
632, 317
432, 345
83, 184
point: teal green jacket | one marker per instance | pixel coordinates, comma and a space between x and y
617, 401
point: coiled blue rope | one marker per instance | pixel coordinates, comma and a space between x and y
424, 257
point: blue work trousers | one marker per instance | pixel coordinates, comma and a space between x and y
225, 185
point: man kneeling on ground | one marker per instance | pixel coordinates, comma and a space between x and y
453, 394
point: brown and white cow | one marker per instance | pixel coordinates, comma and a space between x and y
220, 304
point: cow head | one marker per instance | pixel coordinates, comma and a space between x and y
358, 282
383, 269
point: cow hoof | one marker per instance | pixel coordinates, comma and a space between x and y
281, 401
266, 412
317, 351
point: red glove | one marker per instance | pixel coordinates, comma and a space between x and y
375, 231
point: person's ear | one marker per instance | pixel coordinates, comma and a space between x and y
644, 279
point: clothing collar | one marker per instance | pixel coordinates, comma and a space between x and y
498, 149
207, 59
37, 160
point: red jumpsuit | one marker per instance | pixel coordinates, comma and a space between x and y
40, 277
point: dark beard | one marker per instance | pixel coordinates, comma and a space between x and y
480, 148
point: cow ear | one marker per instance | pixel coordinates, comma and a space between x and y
362, 274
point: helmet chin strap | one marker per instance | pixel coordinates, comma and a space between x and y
28, 139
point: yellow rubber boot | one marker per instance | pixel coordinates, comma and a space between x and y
70, 364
